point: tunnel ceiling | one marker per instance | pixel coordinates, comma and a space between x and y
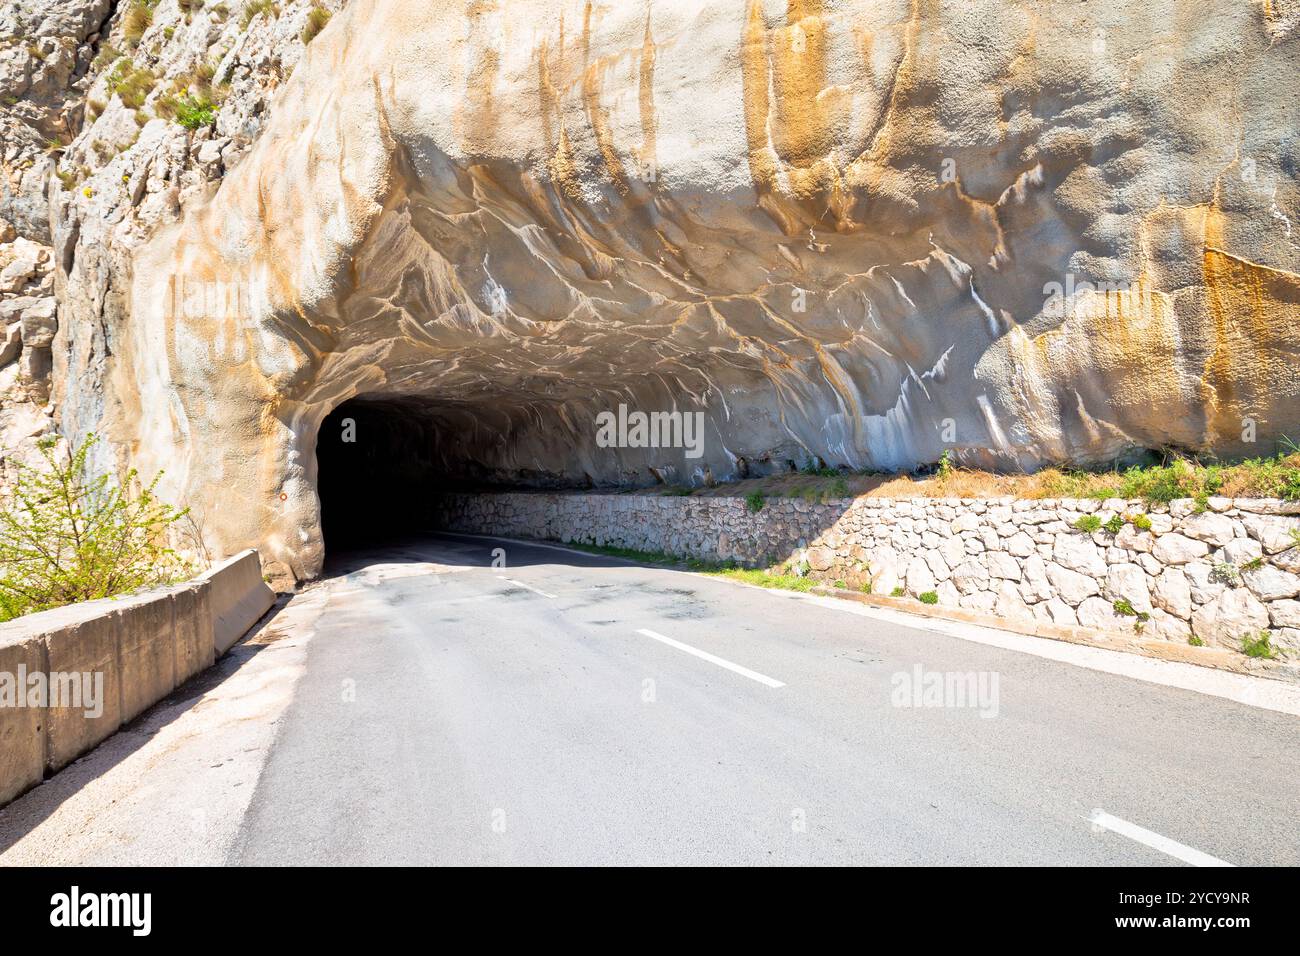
859, 231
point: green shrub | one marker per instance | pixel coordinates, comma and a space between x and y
897, 592
67, 537
194, 113
1114, 525
1088, 524
1124, 607
754, 502
928, 597
1142, 522
1257, 646
1195, 641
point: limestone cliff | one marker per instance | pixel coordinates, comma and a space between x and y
860, 231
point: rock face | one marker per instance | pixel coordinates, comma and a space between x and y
861, 232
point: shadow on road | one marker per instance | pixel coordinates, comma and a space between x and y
28, 811
466, 550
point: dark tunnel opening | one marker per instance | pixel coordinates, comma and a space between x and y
377, 477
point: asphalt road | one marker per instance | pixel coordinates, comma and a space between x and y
573, 709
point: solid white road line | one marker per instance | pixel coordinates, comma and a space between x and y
712, 658
1100, 818
529, 587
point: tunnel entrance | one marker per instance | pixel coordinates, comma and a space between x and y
376, 473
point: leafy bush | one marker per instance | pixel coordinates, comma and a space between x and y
195, 112
897, 592
1114, 525
1195, 641
754, 502
67, 537
1257, 646
1142, 522
1088, 524
928, 597
1125, 608
946, 467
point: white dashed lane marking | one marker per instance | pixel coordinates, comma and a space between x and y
1179, 851
712, 658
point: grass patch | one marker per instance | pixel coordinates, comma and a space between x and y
255, 7
754, 502
131, 85
629, 554
898, 592
1166, 477
317, 17
138, 19
1088, 524
763, 579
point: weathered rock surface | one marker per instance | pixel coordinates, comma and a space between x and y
860, 232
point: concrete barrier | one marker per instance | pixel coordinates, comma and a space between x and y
71, 677
239, 598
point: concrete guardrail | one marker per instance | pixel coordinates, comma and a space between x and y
71, 677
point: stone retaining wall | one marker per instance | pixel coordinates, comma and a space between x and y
1217, 573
